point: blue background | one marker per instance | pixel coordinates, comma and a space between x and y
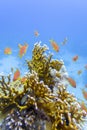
54, 19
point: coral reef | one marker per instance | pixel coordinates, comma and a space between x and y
42, 101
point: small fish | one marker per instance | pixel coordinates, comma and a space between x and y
36, 33
79, 72
16, 75
75, 58
8, 51
83, 106
72, 82
85, 66
23, 79
24, 99
54, 45
64, 41
84, 94
23, 49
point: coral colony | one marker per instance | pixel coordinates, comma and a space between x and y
41, 102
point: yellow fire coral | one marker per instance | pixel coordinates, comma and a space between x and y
37, 100
41, 64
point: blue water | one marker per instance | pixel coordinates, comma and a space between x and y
54, 19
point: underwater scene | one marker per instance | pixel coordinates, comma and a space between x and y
43, 65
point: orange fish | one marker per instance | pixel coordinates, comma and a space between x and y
8, 51
85, 66
54, 45
79, 72
36, 33
72, 82
84, 94
83, 106
23, 49
16, 75
23, 79
75, 58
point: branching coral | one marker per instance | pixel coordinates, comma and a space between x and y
33, 104
12, 96
41, 64
25, 120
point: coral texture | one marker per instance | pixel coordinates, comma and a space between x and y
42, 101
